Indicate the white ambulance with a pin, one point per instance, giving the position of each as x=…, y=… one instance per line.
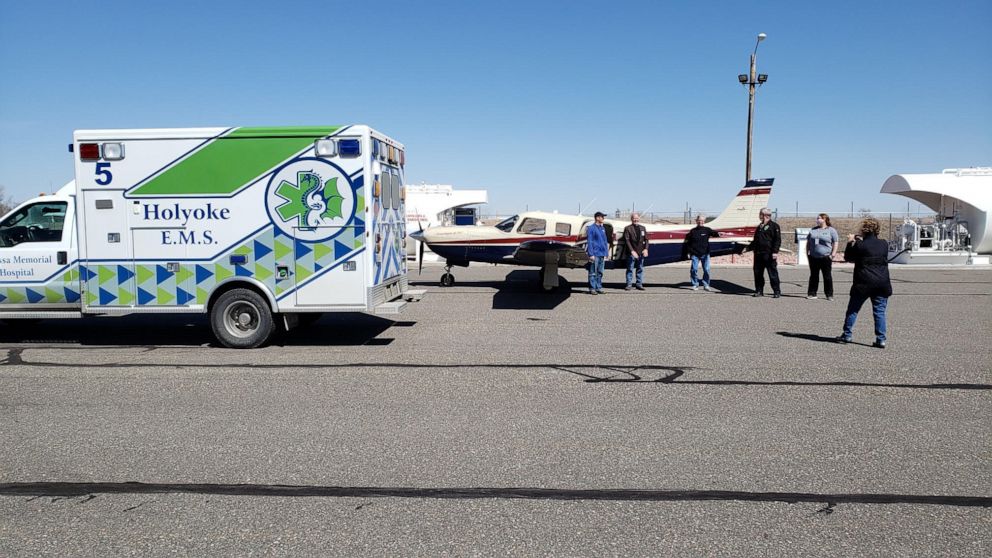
x=258, y=227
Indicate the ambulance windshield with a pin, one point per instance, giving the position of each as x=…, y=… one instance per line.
x=506, y=225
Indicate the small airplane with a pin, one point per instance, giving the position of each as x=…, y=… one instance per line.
x=553, y=240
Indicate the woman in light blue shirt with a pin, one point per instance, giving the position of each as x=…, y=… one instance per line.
x=821, y=247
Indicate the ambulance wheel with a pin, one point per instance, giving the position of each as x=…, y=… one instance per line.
x=241, y=319
x=447, y=280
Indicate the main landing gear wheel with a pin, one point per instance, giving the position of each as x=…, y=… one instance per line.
x=241, y=319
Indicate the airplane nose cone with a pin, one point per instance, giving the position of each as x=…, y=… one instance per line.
x=417, y=235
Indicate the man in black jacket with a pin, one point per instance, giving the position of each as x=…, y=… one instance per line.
x=766, y=244
x=697, y=247
x=871, y=279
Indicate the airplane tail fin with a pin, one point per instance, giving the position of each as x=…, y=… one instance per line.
x=743, y=210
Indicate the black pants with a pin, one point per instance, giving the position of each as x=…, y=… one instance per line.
x=816, y=266
x=761, y=263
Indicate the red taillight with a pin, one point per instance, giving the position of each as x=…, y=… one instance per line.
x=89, y=151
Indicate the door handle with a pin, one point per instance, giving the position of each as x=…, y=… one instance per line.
x=61, y=258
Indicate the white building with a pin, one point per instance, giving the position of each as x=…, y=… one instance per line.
x=436, y=205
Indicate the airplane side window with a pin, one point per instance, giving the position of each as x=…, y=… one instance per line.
x=563, y=229
x=506, y=225
x=531, y=225
x=41, y=222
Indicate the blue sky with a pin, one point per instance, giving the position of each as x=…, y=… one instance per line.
x=547, y=105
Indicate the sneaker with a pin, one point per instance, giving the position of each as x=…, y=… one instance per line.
x=757, y=294
x=593, y=292
x=639, y=287
x=628, y=288
x=707, y=288
x=810, y=297
x=600, y=291
x=695, y=287
x=830, y=298
x=878, y=344
x=841, y=339
x=777, y=295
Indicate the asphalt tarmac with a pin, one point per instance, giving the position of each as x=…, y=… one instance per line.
x=493, y=419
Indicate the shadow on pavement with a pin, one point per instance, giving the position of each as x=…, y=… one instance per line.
x=189, y=329
x=819, y=338
x=522, y=290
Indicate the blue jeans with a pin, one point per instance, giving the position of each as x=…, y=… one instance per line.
x=878, y=305
x=596, y=273
x=706, y=270
x=639, y=265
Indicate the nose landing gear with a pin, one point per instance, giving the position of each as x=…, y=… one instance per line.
x=447, y=279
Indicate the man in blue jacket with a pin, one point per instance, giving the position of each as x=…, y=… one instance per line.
x=597, y=247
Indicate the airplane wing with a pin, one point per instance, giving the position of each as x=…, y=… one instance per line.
x=542, y=252
x=544, y=246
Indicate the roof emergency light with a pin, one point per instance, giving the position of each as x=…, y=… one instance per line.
x=113, y=151
x=349, y=148
x=325, y=148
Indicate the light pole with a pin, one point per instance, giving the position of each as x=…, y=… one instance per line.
x=750, y=80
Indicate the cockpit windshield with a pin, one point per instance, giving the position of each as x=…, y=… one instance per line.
x=506, y=225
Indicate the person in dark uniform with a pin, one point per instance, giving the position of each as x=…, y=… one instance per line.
x=696, y=247
x=871, y=280
x=766, y=244
x=635, y=238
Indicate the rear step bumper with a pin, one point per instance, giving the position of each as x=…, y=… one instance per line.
x=390, y=308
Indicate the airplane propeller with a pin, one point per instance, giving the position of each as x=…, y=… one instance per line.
x=419, y=237
x=420, y=258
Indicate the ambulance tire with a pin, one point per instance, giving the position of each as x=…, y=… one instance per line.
x=242, y=319
x=447, y=280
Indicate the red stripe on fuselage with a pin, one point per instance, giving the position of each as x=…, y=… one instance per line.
x=680, y=233
x=677, y=234
x=754, y=192
x=570, y=239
